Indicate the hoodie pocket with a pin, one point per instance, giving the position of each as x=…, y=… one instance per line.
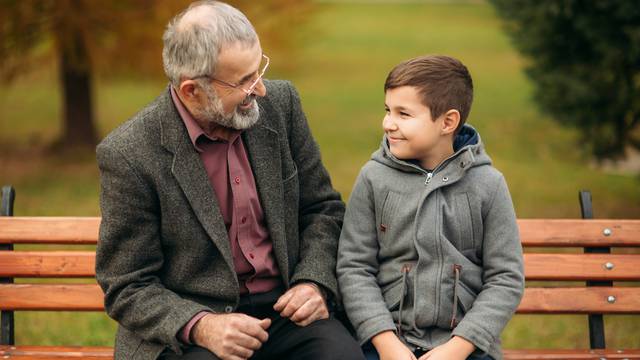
x=394, y=294
x=463, y=297
x=389, y=209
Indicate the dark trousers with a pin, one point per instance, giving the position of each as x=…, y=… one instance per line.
x=322, y=340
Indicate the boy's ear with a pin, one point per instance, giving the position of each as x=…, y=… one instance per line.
x=450, y=121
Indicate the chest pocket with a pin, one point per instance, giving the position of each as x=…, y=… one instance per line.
x=464, y=222
x=395, y=220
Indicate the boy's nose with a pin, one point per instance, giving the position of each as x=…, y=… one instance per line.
x=388, y=124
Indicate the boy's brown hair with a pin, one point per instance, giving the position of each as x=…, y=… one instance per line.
x=444, y=83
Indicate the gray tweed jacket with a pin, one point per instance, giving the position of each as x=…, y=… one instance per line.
x=164, y=253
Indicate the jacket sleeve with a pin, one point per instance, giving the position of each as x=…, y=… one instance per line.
x=358, y=265
x=503, y=274
x=320, y=210
x=129, y=255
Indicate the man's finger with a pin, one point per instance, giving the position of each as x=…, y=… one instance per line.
x=292, y=306
x=242, y=352
x=283, y=300
x=248, y=342
x=319, y=313
x=255, y=331
x=265, y=323
x=303, y=312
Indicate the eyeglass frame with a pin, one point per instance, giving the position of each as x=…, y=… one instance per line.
x=251, y=88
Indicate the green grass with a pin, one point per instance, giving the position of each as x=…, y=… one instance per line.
x=343, y=58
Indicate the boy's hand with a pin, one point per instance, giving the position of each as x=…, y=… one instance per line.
x=456, y=348
x=389, y=347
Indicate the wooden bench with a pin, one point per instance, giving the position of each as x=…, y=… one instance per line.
x=599, y=269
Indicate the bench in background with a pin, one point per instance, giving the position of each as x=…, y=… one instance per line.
x=597, y=267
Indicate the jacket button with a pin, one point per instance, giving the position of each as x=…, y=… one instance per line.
x=228, y=309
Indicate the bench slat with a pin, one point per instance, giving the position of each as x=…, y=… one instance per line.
x=537, y=266
x=570, y=354
x=533, y=232
x=56, y=352
x=67, y=297
x=580, y=267
x=47, y=264
x=52, y=230
x=579, y=233
x=592, y=300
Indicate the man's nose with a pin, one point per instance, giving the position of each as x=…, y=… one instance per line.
x=260, y=89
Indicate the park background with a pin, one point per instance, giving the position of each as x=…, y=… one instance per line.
x=337, y=53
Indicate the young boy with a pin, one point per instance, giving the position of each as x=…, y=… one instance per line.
x=430, y=262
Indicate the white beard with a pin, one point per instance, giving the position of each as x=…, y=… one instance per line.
x=212, y=112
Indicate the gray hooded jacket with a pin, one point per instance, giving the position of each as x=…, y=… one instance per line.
x=431, y=254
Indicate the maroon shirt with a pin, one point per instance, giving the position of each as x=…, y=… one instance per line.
x=231, y=178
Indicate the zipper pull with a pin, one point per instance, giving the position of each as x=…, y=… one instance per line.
x=429, y=176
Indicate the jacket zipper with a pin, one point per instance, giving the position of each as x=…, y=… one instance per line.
x=429, y=176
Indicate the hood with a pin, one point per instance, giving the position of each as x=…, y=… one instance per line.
x=466, y=143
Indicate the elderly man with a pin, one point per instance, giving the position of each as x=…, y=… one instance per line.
x=220, y=224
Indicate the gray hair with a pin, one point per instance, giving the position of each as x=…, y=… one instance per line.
x=193, y=38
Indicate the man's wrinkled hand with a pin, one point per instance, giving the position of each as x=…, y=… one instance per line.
x=302, y=304
x=231, y=336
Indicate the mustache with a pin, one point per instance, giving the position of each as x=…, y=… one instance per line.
x=247, y=100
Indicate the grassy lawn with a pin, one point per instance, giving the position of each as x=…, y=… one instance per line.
x=339, y=68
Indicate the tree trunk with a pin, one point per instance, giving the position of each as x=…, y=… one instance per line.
x=75, y=71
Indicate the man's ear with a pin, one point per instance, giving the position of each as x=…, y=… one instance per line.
x=188, y=90
x=450, y=121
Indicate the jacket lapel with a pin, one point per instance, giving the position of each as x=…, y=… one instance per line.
x=189, y=172
x=264, y=155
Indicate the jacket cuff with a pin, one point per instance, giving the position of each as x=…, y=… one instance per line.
x=182, y=317
x=476, y=335
x=185, y=333
x=373, y=326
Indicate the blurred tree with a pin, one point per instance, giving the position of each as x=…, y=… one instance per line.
x=585, y=63
x=88, y=37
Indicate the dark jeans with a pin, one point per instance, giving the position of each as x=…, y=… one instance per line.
x=324, y=339
x=370, y=353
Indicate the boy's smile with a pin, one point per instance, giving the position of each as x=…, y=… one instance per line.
x=411, y=131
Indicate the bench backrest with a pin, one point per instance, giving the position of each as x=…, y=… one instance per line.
x=539, y=236
x=554, y=254
x=547, y=243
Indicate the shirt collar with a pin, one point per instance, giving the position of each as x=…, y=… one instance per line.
x=194, y=130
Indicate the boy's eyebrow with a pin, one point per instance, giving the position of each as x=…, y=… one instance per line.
x=399, y=108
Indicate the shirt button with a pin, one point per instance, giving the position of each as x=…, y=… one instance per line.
x=228, y=309
x=251, y=256
x=237, y=180
x=244, y=219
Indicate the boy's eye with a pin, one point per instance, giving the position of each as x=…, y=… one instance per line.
x=404, y=114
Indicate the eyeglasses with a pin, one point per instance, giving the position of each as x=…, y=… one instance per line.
x=247, y=90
